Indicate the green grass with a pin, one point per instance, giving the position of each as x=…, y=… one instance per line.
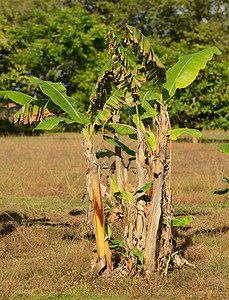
x=46, y=253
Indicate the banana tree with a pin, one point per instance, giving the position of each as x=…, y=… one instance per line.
x=160, y=219
x=150, y=212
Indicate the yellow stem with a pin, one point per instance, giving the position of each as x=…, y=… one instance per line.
x=138, y=119
x=160, y=89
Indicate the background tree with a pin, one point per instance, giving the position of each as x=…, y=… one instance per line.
x=55, y=42
x=64, y=41
x=190, y=23
x=181, y=26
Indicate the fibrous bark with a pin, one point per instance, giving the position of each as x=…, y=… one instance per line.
x=141, y=203
x=118, y=159
x=136, y=229
x=118, y=166
x=159, y=168
x=166, y=246
x=89, y=214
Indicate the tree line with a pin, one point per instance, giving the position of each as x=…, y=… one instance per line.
x=64, y=41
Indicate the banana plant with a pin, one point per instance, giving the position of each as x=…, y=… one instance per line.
x=150, y=216
x=150, y=68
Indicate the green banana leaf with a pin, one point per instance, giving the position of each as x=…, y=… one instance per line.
x=151, y=140
x=153, y=64
x=127, y=196
x=115, y=101
x=51, y=122
x=123, y=129
x=117, y=243
x=102, y=116
x=126, y=79
x=181, y=221
x=138, y=254
x=17, y=97
x=185, y=71
x=104, y=153
x=144, y=188
x=224, y=148
x=177, y=132
x=145, y=111
x=106, y=69
x=117, y=143
x=149, y=111
x=57, y=92
x=114, y=185
x=149, y=96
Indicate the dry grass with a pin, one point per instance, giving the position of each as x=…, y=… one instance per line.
x=45, y=252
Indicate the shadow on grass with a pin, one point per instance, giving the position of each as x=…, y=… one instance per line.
x=9, y=220
x=198, y=213
x=188, y=238
x=76, y=212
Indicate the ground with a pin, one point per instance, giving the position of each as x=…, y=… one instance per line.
x=45, y=247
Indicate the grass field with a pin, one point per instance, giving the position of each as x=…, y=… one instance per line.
x=45, y=252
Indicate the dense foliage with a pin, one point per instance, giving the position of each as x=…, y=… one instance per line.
x=64, y=41
x=61, y=44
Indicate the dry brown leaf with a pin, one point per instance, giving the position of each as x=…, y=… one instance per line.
x=116, y=215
